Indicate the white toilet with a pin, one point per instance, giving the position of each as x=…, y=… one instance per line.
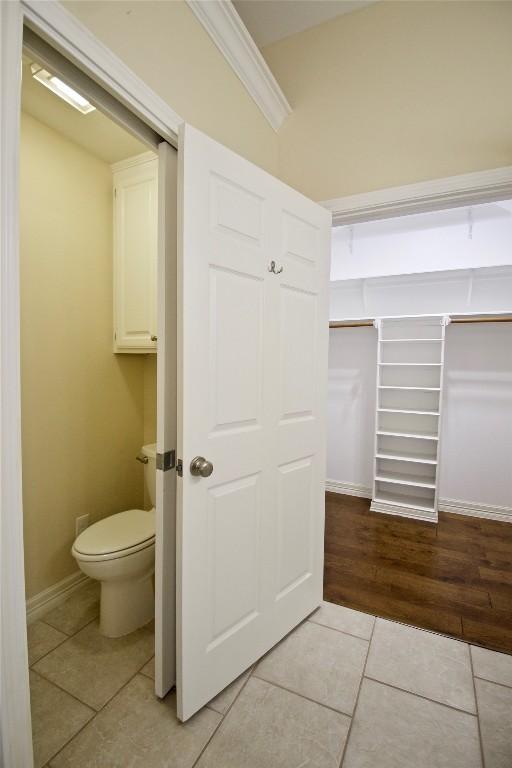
x=119, y=551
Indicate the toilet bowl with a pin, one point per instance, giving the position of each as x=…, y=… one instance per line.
x=119, y=552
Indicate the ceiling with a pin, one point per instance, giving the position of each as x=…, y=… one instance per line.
x=94, y=132
x=272, y=20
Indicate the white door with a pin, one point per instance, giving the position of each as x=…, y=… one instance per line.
x=252, y=362
x=165, y=552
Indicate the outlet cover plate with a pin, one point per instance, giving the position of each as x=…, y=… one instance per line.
x=81, y=523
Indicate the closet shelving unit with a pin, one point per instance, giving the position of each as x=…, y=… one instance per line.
x=410, y=361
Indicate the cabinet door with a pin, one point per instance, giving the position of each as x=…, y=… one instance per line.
x=135, y=244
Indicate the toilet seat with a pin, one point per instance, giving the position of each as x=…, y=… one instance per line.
x=116, y=536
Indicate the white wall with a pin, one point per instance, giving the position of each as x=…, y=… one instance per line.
x=351, y=405
x=476, y=447
x=476, y=442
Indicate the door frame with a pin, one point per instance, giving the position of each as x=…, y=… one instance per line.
x=65, y=33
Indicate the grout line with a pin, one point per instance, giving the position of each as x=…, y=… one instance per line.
x=72, y=695
x=342, y=631
x=68, y=637
x=348, y=608
x=49, y=764
x=96, y=712
x=476, y=706
x=30, y=666
x=420, y=696
x=357, y=697
x=492, y=682
x=222, y=717
x=301, y=695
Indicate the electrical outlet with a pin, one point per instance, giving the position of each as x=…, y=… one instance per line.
x=81, y=523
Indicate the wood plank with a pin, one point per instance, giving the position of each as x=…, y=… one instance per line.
x=454, y=577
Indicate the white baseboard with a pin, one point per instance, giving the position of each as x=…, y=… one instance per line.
x=409, y=512
x=456, y=506
x=349, y=489
x=489, y=511
x=53, y=596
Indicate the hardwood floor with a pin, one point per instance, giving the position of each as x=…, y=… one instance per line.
x=454, y=577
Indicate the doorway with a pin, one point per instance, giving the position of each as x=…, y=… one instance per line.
x=419, y=421
x=88, y=256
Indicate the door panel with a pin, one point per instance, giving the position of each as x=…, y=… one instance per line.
x=295, y=525
x=252, y=391
x=236, y=349
x=235, y=512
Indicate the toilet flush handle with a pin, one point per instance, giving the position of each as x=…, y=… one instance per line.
x=143, y=459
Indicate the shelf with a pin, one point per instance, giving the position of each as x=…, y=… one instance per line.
x=422, y=389
x=403, y=341
x=400, y=478
x=412, y=502
x=402, y=410
x=416, y=435
x=397, y=456
x=424, y=365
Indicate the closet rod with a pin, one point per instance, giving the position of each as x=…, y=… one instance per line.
x=369, y=323
x=482, y=320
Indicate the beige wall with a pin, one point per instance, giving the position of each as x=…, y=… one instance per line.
x=150, y=399
x=82, y=406
x=396, y=93
x=167, y=47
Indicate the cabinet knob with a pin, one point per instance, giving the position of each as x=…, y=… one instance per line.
x=154, y=338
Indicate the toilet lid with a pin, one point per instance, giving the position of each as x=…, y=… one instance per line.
x=117, y=532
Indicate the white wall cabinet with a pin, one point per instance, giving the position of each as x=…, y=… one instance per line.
x=135, y=252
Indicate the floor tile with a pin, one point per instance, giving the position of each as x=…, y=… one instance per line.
x=93, y=667
x=79, y=609
x=495, y=711
x=149, y=669
x=42, y=639
x=344, y=619
x=268, y=727
x=492, y=665
x=320, y=663
x=56, y=718
x=395, y=729
x=222, y=702
x=422, y=662
x=137, y=730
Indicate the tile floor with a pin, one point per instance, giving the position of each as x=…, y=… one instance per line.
x=343, y=689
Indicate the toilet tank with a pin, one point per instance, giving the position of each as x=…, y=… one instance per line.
x=150, y=471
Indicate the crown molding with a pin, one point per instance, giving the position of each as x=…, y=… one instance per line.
x=227, y=30
x=433, y=195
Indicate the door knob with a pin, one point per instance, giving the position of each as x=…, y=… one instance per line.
x=200, y=467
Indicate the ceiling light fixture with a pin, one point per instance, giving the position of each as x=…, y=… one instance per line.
x=61, y=89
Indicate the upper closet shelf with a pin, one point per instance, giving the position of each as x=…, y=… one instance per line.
x=408, y=365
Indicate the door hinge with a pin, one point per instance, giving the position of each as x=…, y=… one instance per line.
x=179, y=468
x=165, y=461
